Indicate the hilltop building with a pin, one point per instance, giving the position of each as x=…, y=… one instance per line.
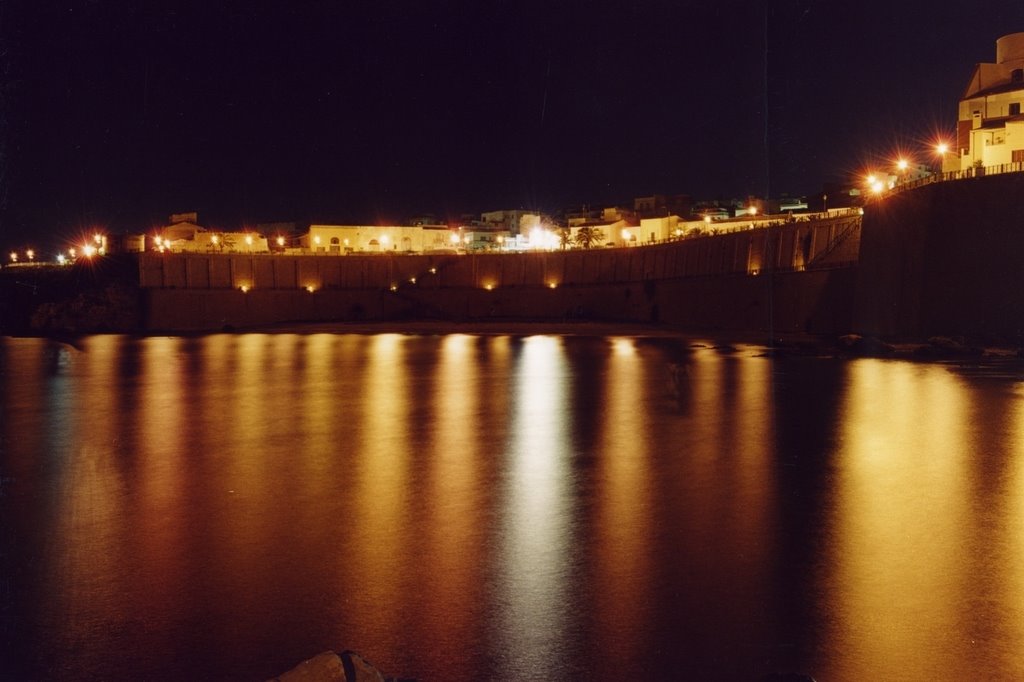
x=990, y=127
x=184, y=234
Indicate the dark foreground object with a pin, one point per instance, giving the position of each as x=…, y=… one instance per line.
x=331, y=667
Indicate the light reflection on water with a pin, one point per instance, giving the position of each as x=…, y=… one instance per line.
x=467, y=507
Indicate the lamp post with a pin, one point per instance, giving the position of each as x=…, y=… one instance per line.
x=941, y=149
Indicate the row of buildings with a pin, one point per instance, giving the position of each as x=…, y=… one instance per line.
x=990, y=135
x=497, y=231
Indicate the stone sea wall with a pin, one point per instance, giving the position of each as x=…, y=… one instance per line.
x=945, y=259
x=794, y=276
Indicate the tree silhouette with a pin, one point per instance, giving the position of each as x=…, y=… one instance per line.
x=588, y=237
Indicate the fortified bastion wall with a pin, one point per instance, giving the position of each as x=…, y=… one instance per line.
x=792, y=276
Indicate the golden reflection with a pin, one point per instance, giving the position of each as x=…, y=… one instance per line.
x=623, y=508
x=381, y=483
x=537, y=506
x=92, y=515
x=453, y=488
x=1010, y=551
x=753, y=466
x=902, y=521
x=323, y=420
x=157, y=516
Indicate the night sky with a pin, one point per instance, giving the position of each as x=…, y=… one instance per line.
x=117, y=114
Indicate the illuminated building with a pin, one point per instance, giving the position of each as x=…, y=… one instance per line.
x=990, y=127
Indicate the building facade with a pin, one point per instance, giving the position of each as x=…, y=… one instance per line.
x=990, y=127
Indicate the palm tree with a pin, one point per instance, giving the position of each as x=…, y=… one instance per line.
x=564, y=238
x=587, y=237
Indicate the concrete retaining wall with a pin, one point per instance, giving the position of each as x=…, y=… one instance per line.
x=815, y=302
x=749, y=280
x=945, y=259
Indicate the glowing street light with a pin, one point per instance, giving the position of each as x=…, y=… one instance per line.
x=877, y=186
x=902, y=164
x=215, y=239
x=14, y=256
x=31, y=254
x=752, y=210
x=61, y=260
x=248, y=239
x=88, y=250
x=455, y=238
x=942, y=148
x=280, y=241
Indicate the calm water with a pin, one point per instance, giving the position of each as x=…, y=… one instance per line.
x=461, y=508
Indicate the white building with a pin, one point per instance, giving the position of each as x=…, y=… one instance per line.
x=990, y=127
x=185, y=236
x=342, y=239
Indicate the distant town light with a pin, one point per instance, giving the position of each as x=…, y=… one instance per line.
x=88, y=250
x=31, y=254
x=552, y=285
x=752, y=210
x=942, y=148
x=316, y=240
x=280, y=241
x=97, y=238
x=877, y=187
x=61, y=259
x=14, y=256
x=384, y=239
x=707, y=219
x=455, y=238
x=902, y=164
x=160, y=240
x=310, y=288
x=871, y=180
x=72, y=253
x=215, y=239
x=244, y=288
x=248, y=239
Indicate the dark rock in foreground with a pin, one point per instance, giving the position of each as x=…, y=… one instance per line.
x=331, y=667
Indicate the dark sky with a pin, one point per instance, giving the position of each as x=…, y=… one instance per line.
x=118, y=113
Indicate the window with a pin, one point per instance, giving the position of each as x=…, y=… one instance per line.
x=1018, y=156
x=1014, y=108
x=1017, y=75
